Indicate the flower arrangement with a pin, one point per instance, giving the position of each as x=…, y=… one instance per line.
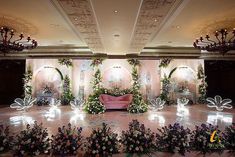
x=93, y=104
x=96, y=62
x=117, y=91
x=164, y=62
x=166, y=82
x=27, y=82
x=67, y=141
x=173, y=138
x=102, y=142
x=67, y=94
x=5, y=138
x=138, y=105
x=65, y=61
x=202, y=85
x=133, y=62
x=138, y=139
x=32, y=141
x=200, y=139
x=229, y=137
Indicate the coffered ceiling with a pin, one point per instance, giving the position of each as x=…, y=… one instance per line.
x=117, y=27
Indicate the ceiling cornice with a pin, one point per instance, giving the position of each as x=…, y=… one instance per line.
x=148, y=53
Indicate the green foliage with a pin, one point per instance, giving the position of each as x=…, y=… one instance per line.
x=96, y=83
x=133, y=62
x=96, y=62
x=202, y=86
x=27, y=82
x=93, y=105
x=166, y=81
x=65, y=61
x=138, y=105
x=164, y=62
x=67, y=94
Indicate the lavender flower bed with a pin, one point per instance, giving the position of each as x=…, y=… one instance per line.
x=34, y=140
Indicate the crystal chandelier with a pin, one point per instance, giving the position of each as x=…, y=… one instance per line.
x=9, y=44
x=224, y=42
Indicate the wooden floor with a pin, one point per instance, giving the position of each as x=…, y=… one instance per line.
x=117, y=120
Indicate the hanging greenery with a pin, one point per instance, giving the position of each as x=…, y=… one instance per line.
x=96, y=62
x=27, y=81
x=202, y=86
x=166, y=81
x=134, y=62
x=65, y=61
x=67, y=94
x=138, y=104
x=164, y=62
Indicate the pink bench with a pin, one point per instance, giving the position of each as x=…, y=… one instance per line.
x=113, y=102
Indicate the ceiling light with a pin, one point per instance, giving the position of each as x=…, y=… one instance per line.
x=178, y=27
x=115, y=11
x=155, y=20
x=9, y=44
x=223, y=42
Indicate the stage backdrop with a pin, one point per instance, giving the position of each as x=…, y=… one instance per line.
x=115, y=73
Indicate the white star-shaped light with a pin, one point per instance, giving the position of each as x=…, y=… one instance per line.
x=157, y=104
x=77, y=104
x=23, y=104
x=219, y=103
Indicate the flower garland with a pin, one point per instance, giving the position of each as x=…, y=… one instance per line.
x=32, y=141
x=173, y=138
x=27, y=81
x=138, y=105
x=67, y=141
x=67, y=94
x=102, y=142
x=200, y=139
x=137, y=139
x=229, y=137
x=65, y=61
x=164, y=62
x=203, y=85
x=5, y=138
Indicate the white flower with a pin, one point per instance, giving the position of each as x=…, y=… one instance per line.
x=103, y=147
x=137, y=148
x=93, y=152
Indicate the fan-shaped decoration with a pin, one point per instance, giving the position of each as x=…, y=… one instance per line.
x=219, y=103
x=77, y=104
x=181, y=102
x=157, y=104
x=23, y=104
x=55, y=103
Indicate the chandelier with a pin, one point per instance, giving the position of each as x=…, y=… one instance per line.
x=10, y=44
x=224, y=42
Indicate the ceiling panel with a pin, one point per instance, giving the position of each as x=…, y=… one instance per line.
x=116, y=20
x=195, y=18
